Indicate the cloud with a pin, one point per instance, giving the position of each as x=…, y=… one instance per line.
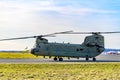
x=20, y=18
x=51, y=5
x=18, y=14
x=17, y=7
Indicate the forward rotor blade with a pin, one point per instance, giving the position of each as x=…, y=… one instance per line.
x=40, y=36
x=17, y=38
x=53, y=34
x=78, y=33
x=63, y=32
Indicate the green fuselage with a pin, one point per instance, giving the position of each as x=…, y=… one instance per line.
x=67, y=50
x=91, y=47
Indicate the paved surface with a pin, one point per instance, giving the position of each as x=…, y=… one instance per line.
x=100, y=58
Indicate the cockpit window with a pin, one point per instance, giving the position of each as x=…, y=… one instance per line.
x=37, y=45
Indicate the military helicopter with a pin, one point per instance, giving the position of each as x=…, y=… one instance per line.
x=92, y=46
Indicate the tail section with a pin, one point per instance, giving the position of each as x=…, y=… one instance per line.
x=95, y=43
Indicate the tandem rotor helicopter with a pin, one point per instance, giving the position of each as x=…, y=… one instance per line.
x=92, y=46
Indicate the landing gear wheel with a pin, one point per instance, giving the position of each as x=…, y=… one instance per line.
x=87, y=58
x=60, y=59
x=94, y=59
x=55, y=59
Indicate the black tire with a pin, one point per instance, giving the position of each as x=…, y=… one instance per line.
x=94, y=59
x=55, y=59
x=60, y=59
x=87, y=58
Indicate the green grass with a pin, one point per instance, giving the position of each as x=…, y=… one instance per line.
x=82, y=71
x=94, y=71
x=17, y=55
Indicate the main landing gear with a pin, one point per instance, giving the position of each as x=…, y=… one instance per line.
x=94, y=59
x=87, y=59
x=60, y=59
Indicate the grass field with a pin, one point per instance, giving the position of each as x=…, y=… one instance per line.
x=94, y=71
x=82, y=71
x=17, y=55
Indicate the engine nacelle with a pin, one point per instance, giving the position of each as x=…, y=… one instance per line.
x=94, y=40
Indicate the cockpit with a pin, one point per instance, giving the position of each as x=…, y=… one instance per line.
x=36, y=48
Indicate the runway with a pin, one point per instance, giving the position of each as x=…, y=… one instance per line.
x=100, y=58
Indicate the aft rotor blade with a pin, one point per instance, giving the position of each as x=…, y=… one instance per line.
x=17, y=38
x=109, y=32
x=93, y=32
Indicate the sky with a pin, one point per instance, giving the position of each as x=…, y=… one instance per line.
x=19, y=18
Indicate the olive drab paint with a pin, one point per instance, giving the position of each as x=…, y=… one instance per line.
x=91, y=47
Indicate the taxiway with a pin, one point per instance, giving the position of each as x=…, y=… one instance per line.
x=100, y=58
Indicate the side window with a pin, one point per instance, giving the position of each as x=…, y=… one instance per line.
x=81, y=49
x=38, y=45
x=77, y=50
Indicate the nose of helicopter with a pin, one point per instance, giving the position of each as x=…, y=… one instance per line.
x=32, y=51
